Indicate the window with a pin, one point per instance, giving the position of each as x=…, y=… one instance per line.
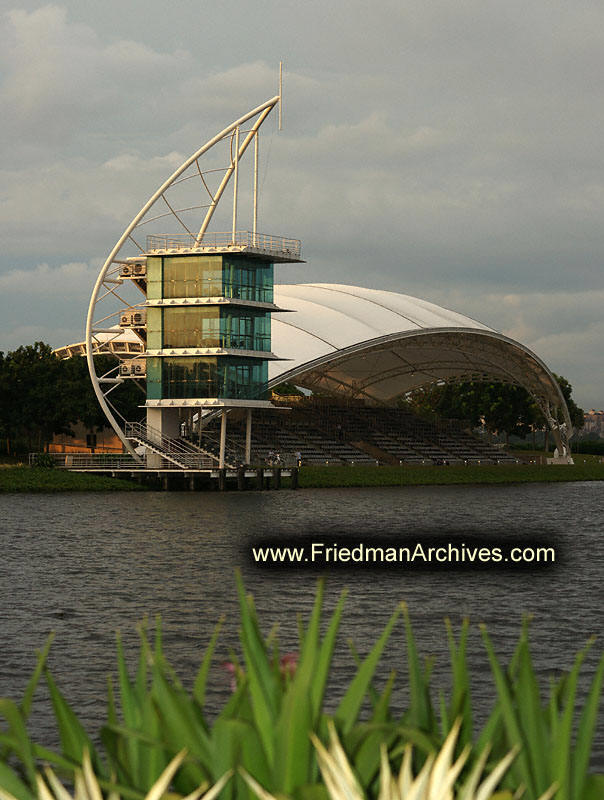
x=192, y=276
x=232, y=327
x=227, y=376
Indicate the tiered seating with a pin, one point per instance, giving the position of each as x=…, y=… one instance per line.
x=324, y=432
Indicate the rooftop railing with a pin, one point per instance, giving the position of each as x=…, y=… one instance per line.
x=279, y=245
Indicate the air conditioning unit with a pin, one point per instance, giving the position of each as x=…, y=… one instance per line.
x=133, y=369
x=133, y=319
x=135, y=268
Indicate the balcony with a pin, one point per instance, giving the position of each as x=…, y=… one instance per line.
x=278, y=248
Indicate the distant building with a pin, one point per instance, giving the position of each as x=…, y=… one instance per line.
x=594, y=422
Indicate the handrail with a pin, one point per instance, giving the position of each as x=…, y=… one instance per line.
x=184, y=451
x=258, y=241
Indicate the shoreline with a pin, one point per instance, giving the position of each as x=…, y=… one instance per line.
x=34, y=480
x=477, y=475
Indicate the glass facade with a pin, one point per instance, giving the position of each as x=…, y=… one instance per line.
x=241, y=328
x=235, y=277
x=154, y=329
x=248, y=279
x=222, y=376
x=229, y=326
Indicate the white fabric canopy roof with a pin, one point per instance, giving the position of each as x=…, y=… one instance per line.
x=379, y=345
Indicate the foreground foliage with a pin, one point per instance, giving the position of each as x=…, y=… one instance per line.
x=435, y=781
x=263, y=734
x=87, y=787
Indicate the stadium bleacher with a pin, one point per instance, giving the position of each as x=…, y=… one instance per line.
x=321, y=432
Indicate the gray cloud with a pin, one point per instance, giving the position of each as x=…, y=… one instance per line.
x=451, y=151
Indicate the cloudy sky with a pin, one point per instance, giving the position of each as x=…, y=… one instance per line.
x=449, y=150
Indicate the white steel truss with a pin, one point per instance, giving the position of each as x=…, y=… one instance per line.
x=113, y=296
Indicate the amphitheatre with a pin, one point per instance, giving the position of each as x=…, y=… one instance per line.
x=196, y=319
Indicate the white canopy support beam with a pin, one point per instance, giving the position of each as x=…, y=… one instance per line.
x=253, y=133
x=261, y=112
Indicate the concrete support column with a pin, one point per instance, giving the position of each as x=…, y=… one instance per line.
x=248, y=437
x=160, y=422
x=223, y=427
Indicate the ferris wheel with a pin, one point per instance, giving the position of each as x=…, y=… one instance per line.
x=184, y=205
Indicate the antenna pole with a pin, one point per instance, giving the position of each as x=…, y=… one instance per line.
x=235, y=182
x=280, y=95
x=256, y=151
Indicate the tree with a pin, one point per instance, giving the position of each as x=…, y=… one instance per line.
x=32, y=407
x=127, y=398
x=577, y=415
x=41, y=395
x=502, y=407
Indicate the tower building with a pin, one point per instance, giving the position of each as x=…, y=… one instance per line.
x=195, y=326
x=208, y=327
x=205, y=320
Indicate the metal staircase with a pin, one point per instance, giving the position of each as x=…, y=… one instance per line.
x=182, y=453
x=234, y=452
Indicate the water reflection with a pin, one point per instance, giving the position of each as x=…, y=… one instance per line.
x=86, y=565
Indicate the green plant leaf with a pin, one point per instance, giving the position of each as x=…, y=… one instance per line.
x=460, y=705
x=262, y=682
x=350, y=705
x=367, y=753
x=530, y=716
x=237, y=743
x=585, y=734
x=561, y=744
x=11, y=782
x=522, y=766
x=35, y=678
x=201, y=679
x=292, y=747
x=74, y=739
x=594, y=788
x=421, y=714
x=22, y=745
x=181, y=726
x=324, y=658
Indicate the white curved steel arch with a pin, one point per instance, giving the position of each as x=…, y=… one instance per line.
x=104, y=281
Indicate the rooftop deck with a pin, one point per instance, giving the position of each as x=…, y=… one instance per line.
x=279, y=248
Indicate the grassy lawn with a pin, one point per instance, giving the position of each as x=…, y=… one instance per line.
x=25, y=479
x=322, y=477
x=16, y=477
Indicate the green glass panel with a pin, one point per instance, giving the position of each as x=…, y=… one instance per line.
x=192, y=327
x=154, y=378
x=192, y=276
x=233, y=327
x=154, y=277
x=245, y=329
x=154, y=329
x=228, y=377
x=248, y=279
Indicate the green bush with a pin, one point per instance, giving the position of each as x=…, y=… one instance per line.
x=43, y=460
x=265, y=726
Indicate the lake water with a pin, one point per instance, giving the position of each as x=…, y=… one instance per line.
x=85, y=565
